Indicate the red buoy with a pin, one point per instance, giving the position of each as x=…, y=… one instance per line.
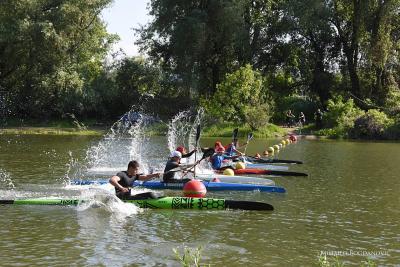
x=194, y=188
x=293, y=138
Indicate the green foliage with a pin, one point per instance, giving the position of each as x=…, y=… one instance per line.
x=257, y=116
x=393, y=131
x=392, y=102
x=191, y=257
x=324, y=261
x=297, y=104
x=225, y=130
x=371, y=125
x=50, y=49
x=238, y=97
x=341, y=114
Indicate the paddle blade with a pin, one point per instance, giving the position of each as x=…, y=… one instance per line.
x=198, y=130
x=208, y=153
x=247, y=205
x=235, y=134
x=249, y=136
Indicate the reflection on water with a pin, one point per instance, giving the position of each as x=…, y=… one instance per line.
x=349, y=201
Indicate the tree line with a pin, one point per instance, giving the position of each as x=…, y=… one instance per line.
x=245, y=61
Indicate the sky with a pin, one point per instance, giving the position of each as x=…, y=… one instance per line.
x=121, y=17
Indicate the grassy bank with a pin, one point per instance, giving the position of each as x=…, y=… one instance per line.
x=51, y=131
x=225, y=130
x=158, y=129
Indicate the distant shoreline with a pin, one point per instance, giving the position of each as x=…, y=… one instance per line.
x=272, y=131
x=51, y=131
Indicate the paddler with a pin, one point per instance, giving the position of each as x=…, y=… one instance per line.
x=124, y=179
x=231, y=149
x=219, y=159
x=172, y=163
x=185, y=155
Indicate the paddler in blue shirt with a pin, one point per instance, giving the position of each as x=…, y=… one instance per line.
x=231, y=149
x=219, y=158
x=123, y=180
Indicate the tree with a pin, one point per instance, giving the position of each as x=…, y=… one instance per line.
x=238, y=96
x=49, y=51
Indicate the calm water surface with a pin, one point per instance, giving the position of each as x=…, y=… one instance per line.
x=349, y=202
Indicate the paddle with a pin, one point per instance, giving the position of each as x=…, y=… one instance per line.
x=249, y=137
x=235, y=134
x=206, y=153
x=197, y=144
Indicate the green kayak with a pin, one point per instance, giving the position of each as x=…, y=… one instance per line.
x=158, y=203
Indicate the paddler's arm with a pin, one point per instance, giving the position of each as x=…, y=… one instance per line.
x=114, y=181
x=187, y=155
x=148, y=176
x=238, y=152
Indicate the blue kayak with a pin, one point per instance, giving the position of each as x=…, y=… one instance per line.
x=211, y=186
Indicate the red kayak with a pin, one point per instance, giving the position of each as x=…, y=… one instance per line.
x=251, y=171
x=267, y=172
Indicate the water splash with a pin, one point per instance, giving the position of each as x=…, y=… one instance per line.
x=100, y=199
x=182, y=129
x=125, y=141
x=75, y=170
x=6, y=181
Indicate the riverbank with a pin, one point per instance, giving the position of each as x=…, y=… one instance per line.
x=51, y=131
x=159, y=129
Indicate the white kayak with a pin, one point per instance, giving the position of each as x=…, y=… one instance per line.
x=266, y=166
x=234, y=179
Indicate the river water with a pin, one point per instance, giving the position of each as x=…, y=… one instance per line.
x=348, y=204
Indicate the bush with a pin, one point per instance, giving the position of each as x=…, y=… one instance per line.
x=371, y=125
x=257, y=116
x=341, y=115
x=393, y=131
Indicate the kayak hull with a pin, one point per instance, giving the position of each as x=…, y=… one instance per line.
x=268, y=172
x=235, y=178
x=266, y=166
x=158, y=203
x=210, y=186
x=271, y=161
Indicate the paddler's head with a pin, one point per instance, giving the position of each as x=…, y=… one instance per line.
x=133, y=167
x=218, y=144
x=220, y=150
x=181, y=149
x=176, y=156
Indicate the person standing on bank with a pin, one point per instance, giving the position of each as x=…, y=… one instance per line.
x=124, y=179
x=290, y=118
x=302, y=119
x=318, y=119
